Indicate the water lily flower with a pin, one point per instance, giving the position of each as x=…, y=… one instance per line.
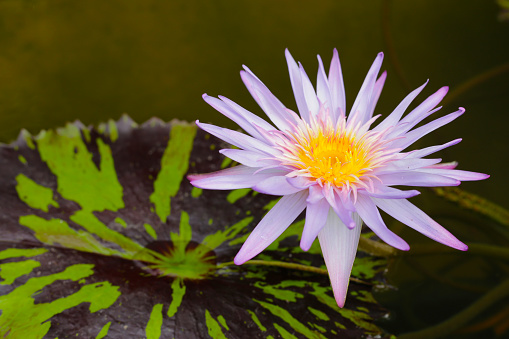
x=338, y=167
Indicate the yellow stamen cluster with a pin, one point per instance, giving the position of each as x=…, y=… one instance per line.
x=333, y=158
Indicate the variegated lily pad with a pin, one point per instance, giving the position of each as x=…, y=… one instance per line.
x=102, y=236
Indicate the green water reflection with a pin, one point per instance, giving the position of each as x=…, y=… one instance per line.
x=95, y=60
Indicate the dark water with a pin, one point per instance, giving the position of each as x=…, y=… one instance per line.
x=95, y=60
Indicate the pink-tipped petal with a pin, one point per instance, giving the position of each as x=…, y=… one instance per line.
x=361, y=103
x=296, y=80
x=316, y=216
x=276, y=185
x=393, y=118
x=275, y=222
x=336, y=86
x=339, y=247
x=371, y=216
x=232, y=178
x=409, y=214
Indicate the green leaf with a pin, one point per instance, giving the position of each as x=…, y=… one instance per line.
x=103, y=236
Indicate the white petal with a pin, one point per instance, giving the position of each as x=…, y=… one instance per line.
x=275, y=222
x=412, y=216
x=339, y=247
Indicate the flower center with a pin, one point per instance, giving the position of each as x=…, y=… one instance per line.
x=333, y=158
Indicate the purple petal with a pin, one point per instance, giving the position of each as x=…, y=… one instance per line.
x=275, y=222
x=393, y=118
x=361, y=103
x=456, y=174
x=309, y=92
x=232, y=178
x=316, y=216
x=322, y=88
x=274, y=109
x=238, y=139
x=276, y=185
x=336, y=86
x=339, y=208
x=414, y=178
x=385, y=192
x=432, y=149
x=248, y=158
x=419, y=132
x=339, y=247
x=298, y=92
x=250, y=117
x=371, y=216
x=406, y=164
x=299, y=182
x=243, y=117
x=377, y=90
x=425, y=108
x=412, y=216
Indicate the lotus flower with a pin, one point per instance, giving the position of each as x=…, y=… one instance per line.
x=338, y=167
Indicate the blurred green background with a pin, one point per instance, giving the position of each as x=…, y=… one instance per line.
x=95, y=60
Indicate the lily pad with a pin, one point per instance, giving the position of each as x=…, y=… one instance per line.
x=102, y=236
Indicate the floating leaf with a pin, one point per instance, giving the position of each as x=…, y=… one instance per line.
x=102, y=236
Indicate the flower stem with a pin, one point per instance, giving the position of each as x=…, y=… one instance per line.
x=377, y=248
x=389, y=44
x=474, y=203
x=475, y=81
x=463, y=317
x=499, y=252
